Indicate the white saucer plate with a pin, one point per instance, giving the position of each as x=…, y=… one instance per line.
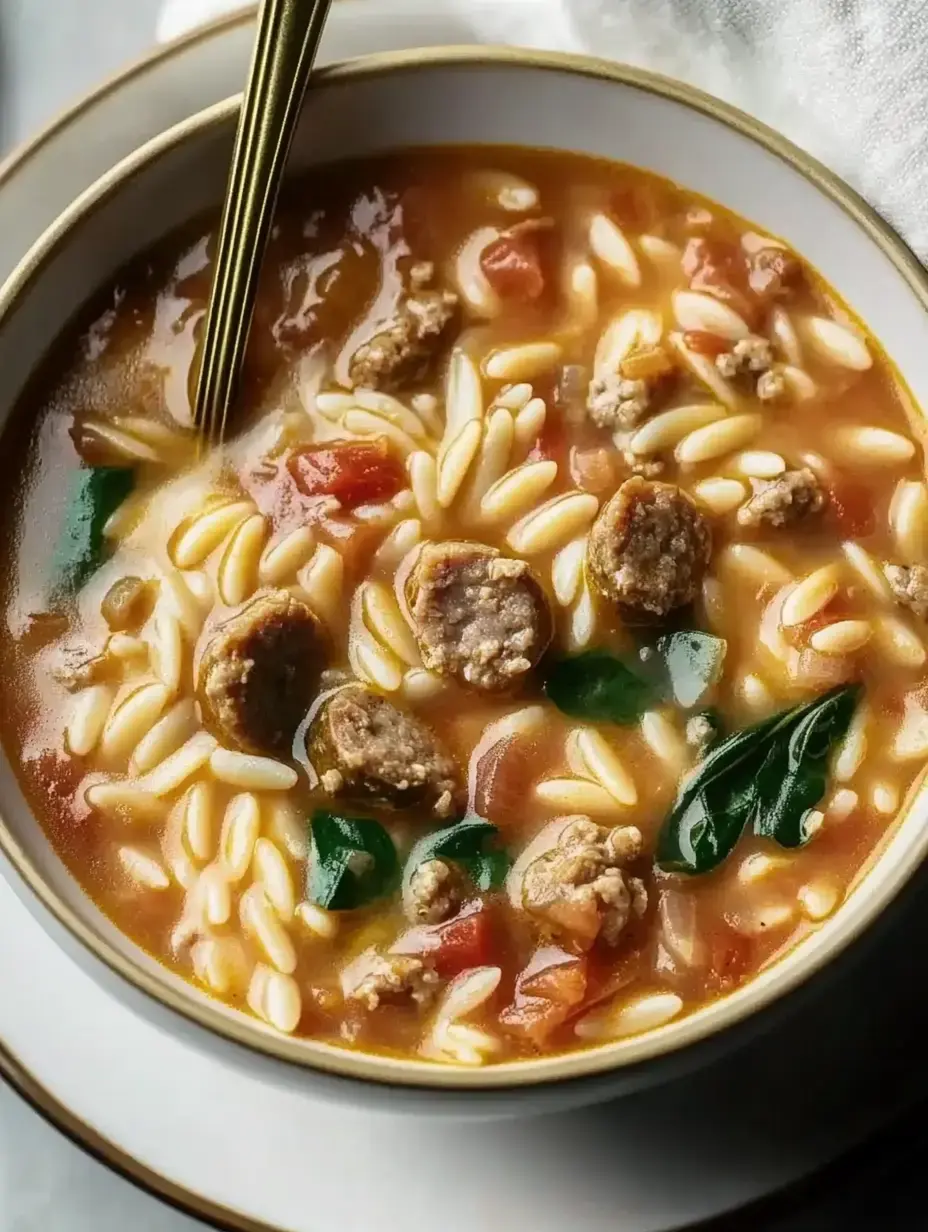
x=260, y=1158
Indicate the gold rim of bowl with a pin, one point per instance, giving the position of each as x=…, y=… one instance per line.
x=874, y=889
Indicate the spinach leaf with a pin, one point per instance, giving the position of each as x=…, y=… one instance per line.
x=679, y=667
x=597, y=685
x=468, y=843
x=715, y=804
x=768, y=775
x=94, y=493
x=352, y=861
x=708, y=826
x=794, y=778
x=691, y=662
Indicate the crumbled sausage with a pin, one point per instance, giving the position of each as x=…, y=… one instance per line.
x=615, y=402
x=363, y=747
x=480, y=617
x=771, y=386
x=434, y=892
x=373, y=978
x=647, y=467
x=403, y=352
x=751, y=361
x=747, y=355
x=649, y=548
x=623, y=399
x=579, y=889
x=788, y=499
x=773, y=273
x=259, y=672
x=909, y=583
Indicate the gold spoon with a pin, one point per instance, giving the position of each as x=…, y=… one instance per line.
x=285, y=47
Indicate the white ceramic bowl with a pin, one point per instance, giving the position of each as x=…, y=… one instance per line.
x=466, y=96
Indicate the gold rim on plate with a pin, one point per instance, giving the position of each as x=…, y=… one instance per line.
x=795, y=968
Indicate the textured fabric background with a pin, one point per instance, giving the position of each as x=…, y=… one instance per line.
x=846, y=79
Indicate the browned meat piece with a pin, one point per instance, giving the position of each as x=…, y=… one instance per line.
x=623, y=399
x=127, y=604
x=615, y=402
x=479, y=616
x=647, y=468
x=909, y=583
x=260, y=671
x=373, y=978
x=790, y=498
x=579, y=889
x=402, y=352
x=649, y=548
x=751, y=361
x=435, y=892
x=365, y=748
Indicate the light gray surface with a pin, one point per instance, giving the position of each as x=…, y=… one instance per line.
x=52, y=51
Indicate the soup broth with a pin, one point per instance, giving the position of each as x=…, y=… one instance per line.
x=541, y=656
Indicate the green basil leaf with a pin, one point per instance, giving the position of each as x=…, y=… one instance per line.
x=692, y=663
x=94, y=493
x=795, y=776
x=352, y=861
x=598, y=686
x=468, y=843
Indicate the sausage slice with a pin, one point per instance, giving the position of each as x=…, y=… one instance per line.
x=649, y=548
x=365, y=748
x=479, y=616
x=259, y=672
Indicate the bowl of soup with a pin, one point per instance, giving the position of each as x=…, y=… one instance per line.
x=530, y=684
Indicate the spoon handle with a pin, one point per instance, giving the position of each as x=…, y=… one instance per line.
x=287, y=38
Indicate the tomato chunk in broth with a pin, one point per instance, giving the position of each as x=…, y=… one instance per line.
x=542, y=655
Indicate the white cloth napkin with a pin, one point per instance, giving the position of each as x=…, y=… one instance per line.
x=845, y=79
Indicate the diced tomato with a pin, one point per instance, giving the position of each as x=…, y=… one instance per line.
x=504, y=776
x=718, y=267
x=353, y=472
x=632, y=208
x=704, y=343
x=513, y=265
x=549, y=988
x=593, y=469
x=457, y=945
x=850, y=508
x=729, y=956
